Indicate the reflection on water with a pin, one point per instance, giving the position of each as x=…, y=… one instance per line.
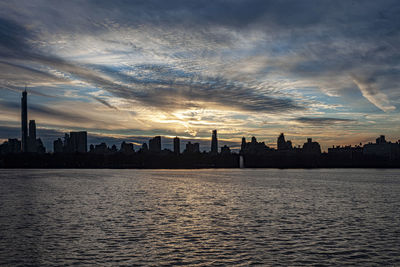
x=199, y=217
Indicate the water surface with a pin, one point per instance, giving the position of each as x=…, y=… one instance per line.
x=200, y=217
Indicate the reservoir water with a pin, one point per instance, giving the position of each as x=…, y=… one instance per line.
x=200, y=217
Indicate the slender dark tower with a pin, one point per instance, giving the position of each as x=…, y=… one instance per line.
x=214, y=142
x=24, y=121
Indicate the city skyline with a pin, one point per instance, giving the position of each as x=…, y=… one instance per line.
x=77, y=142
x=72, y=151
x=128, y=72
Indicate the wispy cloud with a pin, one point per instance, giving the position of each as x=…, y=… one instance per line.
x=321, y=121
x=373, y=94
x=245, y=66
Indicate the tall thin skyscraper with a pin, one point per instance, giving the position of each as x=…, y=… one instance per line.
x=214, y=142
x=24, y=121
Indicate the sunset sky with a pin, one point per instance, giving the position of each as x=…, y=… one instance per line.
x=127, y=70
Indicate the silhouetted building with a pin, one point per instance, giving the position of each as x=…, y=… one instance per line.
x=177, y=146
x=40, y=147
x=67, y=147
x=11, y=146
x=243, y=145
x=75, y=142
x=382, y=149
x=14, y=145
x=78, y=141
x=225, y=150
x=101, y=148
x=24, y=121
x=155, y=144
x=32, y=129
x=311, y=147
x=192, y=148
x=214, y=142
x=381, y=140
x=127, y=148
x=345, y=153
x=114, y=149
x=58, y=146
x=282, y=144
x=29, y=143
x=254, y=147
x=144, y=148
x=32, y=144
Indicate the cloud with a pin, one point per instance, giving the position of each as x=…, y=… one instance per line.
x=161, y=91
x=373, y=94
x=322, y=121
x=12, y=70
x=250, y=59
x=13, y=38
x=46, y=112
x=104, y=102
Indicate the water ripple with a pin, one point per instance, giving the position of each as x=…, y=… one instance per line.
x=200, y=217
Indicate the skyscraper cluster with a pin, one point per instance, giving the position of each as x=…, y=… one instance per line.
x=74, y=142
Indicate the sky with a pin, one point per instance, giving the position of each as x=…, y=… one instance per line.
x=129, y=70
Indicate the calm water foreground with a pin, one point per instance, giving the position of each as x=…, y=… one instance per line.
x=200, y=217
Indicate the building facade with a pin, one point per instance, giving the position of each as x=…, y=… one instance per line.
x=177, y=146
x=155, y=144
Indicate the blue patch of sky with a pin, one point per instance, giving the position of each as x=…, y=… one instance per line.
x=10, y=95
